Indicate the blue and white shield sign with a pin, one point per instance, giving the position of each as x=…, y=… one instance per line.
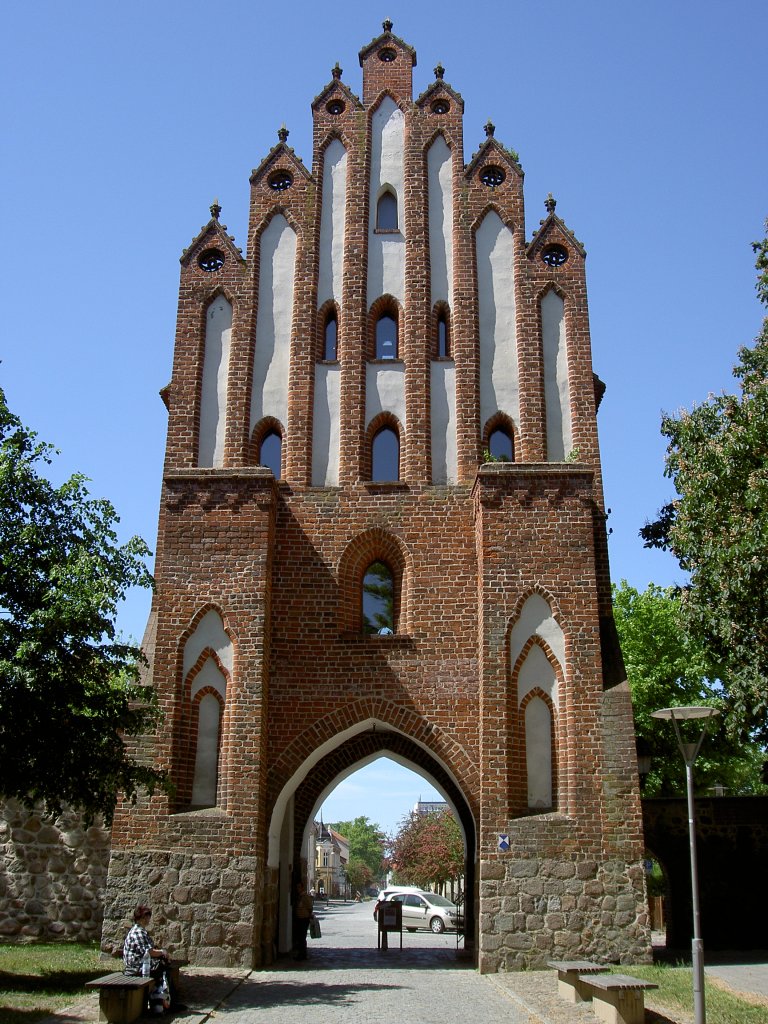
x=504, y=843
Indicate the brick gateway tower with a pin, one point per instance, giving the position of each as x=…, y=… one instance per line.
x=332, y=398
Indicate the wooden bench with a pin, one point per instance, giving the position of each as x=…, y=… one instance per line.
x=121, y=996
x=617, y=998
x=568, y=984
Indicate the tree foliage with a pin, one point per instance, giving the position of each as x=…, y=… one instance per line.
x=359, y=874
x=428, y=850
x=667, y=668
x=69, y=687
x=717, y=527
x=366, y=843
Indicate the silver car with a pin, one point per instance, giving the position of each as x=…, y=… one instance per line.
x=427, y=910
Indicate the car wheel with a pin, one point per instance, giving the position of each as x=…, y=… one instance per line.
x=437, y=925
x=409, y=929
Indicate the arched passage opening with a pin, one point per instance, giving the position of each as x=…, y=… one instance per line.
x=303, y=795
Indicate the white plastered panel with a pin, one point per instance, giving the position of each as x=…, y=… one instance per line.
x=440, y=179
x=325, y=424
x=273, y=322
x=536, y=619
x=537, y=671
x=386, y=252
x=205, y=781
x=538, y=753
x=213, y=393
x=443, y=410
x=332, y=223
x=499, y=379
x=385, y=392
x=210, y=633
x=557, y=392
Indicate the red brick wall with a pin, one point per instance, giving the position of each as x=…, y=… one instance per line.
x=281, y=563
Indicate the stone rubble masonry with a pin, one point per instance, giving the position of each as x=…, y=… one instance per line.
x=53, y=874
x=202, y=904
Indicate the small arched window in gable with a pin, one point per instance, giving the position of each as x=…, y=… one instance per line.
x=330, y=337
x=501, y=445
x=386, y=212
x=385, y=456
x=271, y=453
x=378, y=599
x=386, y=337
x=443, y=347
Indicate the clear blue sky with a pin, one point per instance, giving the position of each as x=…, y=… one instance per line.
x=121, y=122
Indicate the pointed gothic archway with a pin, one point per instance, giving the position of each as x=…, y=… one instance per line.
x=304, y=793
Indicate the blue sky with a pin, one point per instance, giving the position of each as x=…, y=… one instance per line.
x=122, y=122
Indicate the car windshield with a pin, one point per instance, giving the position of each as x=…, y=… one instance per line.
x=436, y=901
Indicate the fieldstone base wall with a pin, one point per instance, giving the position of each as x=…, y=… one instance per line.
x=53, y=874
x=535, y=910
x=203, y=906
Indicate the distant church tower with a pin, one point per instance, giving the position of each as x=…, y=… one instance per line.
x=382, y=532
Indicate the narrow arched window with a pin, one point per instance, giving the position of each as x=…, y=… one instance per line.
x=386, y=212
x=443, y=350
x=271, y=453
x=385, y=456
x=500, y=446
x=386, y=338
x=330, y=338
x=378, y=599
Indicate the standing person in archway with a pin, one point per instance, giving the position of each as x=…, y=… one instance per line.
x=303, y=907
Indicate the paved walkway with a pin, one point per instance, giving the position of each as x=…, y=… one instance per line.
x=429, y=981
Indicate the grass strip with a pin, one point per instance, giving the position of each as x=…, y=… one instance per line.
x=39, y=979
x=674, y=998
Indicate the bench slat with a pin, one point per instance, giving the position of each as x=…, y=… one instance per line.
x=614, y=982
x=576, y=966
x=119, y=980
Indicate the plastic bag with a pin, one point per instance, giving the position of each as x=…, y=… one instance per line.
x=162, y=994
x=314, y=928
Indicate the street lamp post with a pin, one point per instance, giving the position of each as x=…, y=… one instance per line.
x=690, y=752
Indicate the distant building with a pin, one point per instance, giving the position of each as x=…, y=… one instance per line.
x=331, y=860
x=423, y=807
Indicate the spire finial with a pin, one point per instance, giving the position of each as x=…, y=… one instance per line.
x=336, y=71
x=387, y=24
x=550, y=202
x=439, y=71
x=215, y=209
x=283, y=133
x=490, y=128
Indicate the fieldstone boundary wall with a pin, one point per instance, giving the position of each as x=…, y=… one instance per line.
x=53, y=875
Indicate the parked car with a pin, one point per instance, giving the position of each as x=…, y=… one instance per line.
x=428, y=910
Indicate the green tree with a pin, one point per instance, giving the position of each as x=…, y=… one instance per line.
x=717, y=527
x=69, y=688
x=666, y=668
x=366, y=843
x=428, y=850
x=359, y=874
